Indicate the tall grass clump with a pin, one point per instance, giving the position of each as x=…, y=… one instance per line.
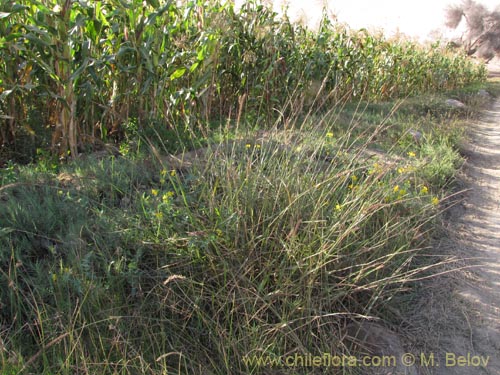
x=262, y=248
x=74, y=74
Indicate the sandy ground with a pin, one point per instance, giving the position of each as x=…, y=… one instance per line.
x=480, y=229
x=459, y=314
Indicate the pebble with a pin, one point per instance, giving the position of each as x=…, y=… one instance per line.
x=455, y=103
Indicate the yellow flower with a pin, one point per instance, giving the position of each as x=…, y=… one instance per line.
x=159, y=215
x=166, y=197
x=401, y=170
x=257, y=146
x=396, y=188
x=248, y=145
x=154, y=192
x=338, y=207
x=162, y=181
x=376, y=168
x=424, y=190
x=173, y=172
x=435, y=201
x=354, y=178
x=329, y=135
x=411, y=154
x=402, y=192
x=163, y=172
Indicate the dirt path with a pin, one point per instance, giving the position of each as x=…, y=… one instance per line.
x=461, y=312
x=480, y=226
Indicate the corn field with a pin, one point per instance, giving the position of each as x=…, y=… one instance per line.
x=76, y=72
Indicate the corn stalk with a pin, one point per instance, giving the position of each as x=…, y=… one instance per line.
x=65, y=136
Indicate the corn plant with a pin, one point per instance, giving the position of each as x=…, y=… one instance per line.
x=89, y=68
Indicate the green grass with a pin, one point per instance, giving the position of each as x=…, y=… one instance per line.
x=268, y=245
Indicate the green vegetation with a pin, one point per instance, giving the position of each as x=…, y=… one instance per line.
x=268, y=244
x=75, y=73
x=306, y=204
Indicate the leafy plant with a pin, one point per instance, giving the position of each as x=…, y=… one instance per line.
x=88, y=68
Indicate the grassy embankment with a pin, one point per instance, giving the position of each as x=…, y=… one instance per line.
x=309, y=208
